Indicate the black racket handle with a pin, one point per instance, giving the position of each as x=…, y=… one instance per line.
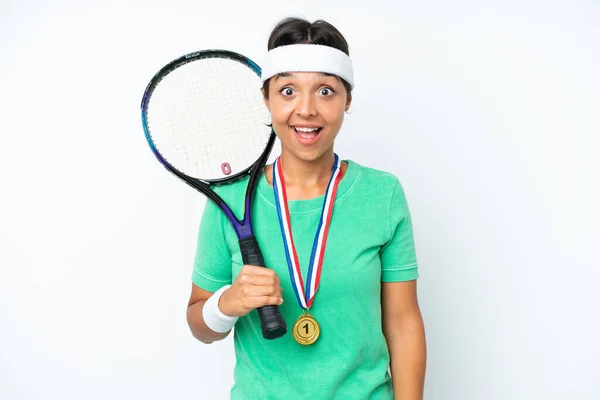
x=271, y=321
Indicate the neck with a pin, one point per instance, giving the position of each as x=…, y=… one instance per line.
x=305, y=179
x=306, y=174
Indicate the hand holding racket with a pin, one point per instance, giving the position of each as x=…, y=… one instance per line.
x=252, y=288
x=206, y=122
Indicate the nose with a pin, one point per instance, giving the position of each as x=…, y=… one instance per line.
x=306, y=106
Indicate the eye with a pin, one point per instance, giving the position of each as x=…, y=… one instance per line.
x=286, y=91
x=326, y=91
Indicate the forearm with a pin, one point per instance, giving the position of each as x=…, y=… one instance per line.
x=254, y=287
x=408, y=356
x=198, y=327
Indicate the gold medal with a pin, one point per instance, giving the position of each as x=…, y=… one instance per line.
x=306, y=329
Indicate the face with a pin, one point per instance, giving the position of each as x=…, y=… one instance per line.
x=307, y=111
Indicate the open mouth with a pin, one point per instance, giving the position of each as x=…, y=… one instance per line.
x=307, y=132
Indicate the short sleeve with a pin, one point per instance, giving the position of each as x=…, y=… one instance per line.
x=398, y=255
x=212, y=262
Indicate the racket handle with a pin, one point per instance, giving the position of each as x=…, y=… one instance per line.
x=271, y=321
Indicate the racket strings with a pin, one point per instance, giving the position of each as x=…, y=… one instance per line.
x=208, y=113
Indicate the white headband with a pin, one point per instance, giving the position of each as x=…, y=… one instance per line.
x=308, y=58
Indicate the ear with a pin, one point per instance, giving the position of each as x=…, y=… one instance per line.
x=348, y=102
x=266, y=100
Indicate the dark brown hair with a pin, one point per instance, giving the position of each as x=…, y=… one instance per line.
x=300, y=31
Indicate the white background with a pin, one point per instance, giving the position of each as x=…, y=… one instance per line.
x=487, y=111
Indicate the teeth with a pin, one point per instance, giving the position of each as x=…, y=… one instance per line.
x=306, y=129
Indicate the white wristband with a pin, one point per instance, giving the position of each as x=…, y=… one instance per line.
x=213, y=317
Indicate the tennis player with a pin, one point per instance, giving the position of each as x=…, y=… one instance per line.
x=336, y=237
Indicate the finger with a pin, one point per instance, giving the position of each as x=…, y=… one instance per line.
x=261, y=291
x=260, y=280
x=256, y=302
x=256, y=270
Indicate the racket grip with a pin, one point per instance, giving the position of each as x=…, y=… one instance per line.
x=271, y=322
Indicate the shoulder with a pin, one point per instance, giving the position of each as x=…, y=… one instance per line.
x=233, y=194
x=231, y=191
x=375, y=180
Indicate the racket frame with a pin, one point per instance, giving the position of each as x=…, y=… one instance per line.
x=243, y=227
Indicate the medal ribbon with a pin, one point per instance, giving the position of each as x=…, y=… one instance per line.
x=305, y=297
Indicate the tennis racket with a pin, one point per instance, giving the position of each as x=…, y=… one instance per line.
x=205, y=121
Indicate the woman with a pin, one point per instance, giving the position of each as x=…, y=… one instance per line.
x=346, y=268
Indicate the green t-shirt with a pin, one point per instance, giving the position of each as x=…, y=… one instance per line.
x=370, y=241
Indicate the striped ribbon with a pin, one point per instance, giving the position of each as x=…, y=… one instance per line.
x=305, y=297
